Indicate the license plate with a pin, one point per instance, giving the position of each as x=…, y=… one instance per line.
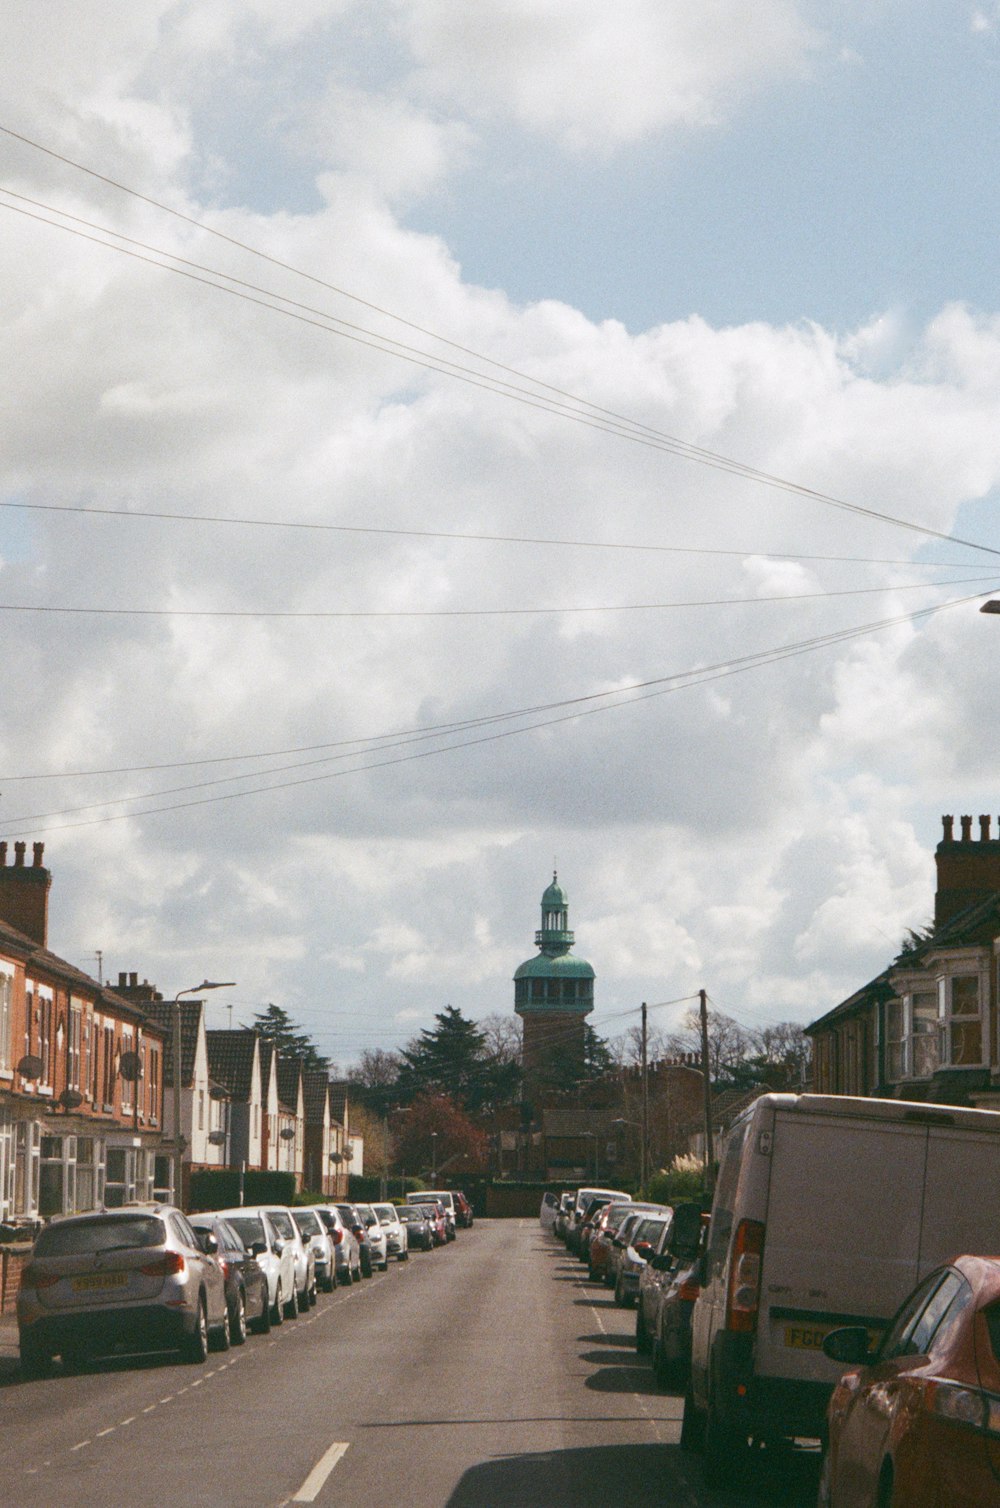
x=807, y=1337
x=99, y=1280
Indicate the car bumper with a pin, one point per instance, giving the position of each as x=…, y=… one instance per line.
x=145, y=1327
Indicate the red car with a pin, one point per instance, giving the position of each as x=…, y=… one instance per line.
x=917, y=1424
x=463, y=1210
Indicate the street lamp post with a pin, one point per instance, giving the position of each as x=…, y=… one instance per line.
x=175, y=1011
x=434, y=1159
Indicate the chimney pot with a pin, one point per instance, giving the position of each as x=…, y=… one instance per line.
x=966, y=829
x=19, y=850
x=984, y=828
x=3, y=855
x=122, y=977
x=38, y=850
x=948, y=823
x=133, y=980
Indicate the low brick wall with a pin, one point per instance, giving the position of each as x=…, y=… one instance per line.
x=13, y=1259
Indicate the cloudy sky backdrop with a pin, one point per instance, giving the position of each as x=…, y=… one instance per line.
x=418, y=404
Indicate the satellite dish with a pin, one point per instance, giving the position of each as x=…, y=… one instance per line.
x=336, y=1157
x=71, y=1098
x=30, y=1067
x=217, y=1138
x=349, y=1149
x=218, y=1092
x=130, y=1066
x=287, y=1133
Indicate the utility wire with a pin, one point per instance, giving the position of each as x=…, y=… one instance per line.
x=48, y=608
x=467, y=538
x=673, y=683
x=577, y=410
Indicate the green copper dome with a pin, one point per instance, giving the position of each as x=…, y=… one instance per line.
x=554, y=980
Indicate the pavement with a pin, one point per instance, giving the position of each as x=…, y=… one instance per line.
x=9, y=1363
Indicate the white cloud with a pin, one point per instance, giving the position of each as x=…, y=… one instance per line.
x=594, y=77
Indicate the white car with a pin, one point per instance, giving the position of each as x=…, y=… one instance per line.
x=376, y=1237
x=397, y=1240
x=274, y=1255
x=443, y=1197
x=315, y=1234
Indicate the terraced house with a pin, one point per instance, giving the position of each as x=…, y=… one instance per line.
x=926, y=1027
x=81, y=1070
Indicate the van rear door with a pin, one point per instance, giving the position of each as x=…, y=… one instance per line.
x=960, y=1209
x=842, y=1234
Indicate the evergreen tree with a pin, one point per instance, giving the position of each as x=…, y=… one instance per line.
x=453, y=1059
x=275, y=1025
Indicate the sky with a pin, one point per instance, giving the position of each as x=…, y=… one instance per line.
x=441, y=446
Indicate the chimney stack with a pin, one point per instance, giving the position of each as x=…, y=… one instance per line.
x=968, y=870
x=24, y=893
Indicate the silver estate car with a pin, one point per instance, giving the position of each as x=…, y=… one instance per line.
x=134, y=1277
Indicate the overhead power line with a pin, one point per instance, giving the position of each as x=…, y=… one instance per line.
x=61, y=608
x=534, y=541
x=577, y=708
x=538, y=393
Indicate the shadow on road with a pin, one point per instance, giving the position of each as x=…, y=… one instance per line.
x=644, y=1476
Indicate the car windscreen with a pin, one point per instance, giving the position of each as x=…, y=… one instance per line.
x=249, y=1228
x=413, y=1216
x=308, y=1223
x=385, y=1213
x=647, y=1230
x=100, y=1235
x=282, y=1223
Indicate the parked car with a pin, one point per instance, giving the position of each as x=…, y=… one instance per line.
x=438, y=1223
x=606, y=1228
x=315, y=1234
x=134, y=1276
x=396, y=1242
x=445, y=1199
x=419, y=1230
x=916, y=1420
x=463, y=1209
x=581, y=1203
x=346, y=1247
x=563, y=1214
x=595, y=1212
x=351, y=1216
x=246, y=1285
x=275, y=1255
x=825, y=1206
x=635, y=1242
x=670, y=1336
x=376, y=1237
x=549, y=1210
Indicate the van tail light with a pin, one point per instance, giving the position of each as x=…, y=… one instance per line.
x=744, y=1277
x=170, y=1265
x=688, y=1292
x=32, y=1278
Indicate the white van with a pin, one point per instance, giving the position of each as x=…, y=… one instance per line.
x=827, y=1211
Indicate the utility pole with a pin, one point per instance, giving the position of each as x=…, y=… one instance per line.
x=707, y=1091
x=644, y=1129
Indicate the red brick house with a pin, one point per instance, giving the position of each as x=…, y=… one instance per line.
x=926, y=1027
x=81, y=1071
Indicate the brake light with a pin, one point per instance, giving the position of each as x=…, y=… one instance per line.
x=32, y=1278
x=171, y=1264
x=744, y=1277
x=337, y=1234
x=689, y=1292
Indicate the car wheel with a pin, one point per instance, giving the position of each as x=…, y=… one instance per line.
x=238, y=1320
x=195, y=1347
x=620, y=1292
x=641, y=1333
x=218, y=1339
x=725, y=1450
x=262, y=1324
x=404, y=1256
x=366, y=1267
x=292, y=1306
x=665, y=1368
x=36, y=1360
x=330, y=1282
x=278, y=1307
x=886, y=1487
x=692, y=1424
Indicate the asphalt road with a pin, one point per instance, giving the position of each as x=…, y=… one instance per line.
x=487, y=1373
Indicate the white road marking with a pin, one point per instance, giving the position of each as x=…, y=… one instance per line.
x=310, y=1489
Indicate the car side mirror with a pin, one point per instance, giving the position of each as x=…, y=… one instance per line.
x=209, y=1243
x=848, y=1345
x=258, y=1248
x=279, y=1247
